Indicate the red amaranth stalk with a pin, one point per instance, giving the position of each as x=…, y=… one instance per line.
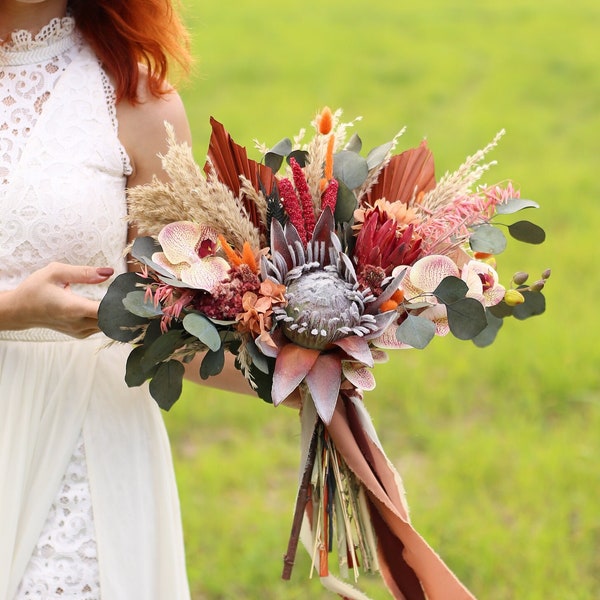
x=329, y=197
x=292, y=206
x=305, y=197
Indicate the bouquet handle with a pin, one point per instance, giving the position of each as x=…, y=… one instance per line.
x=410, y=568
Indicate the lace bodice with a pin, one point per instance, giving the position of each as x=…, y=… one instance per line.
x=62, y=168
x=30, y=66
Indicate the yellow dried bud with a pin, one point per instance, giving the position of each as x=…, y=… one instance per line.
x=513, y=297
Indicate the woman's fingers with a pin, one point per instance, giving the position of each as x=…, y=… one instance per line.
x=66, y=274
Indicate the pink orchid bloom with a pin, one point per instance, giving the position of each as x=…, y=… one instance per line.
x=422, y=279
x=483, y=284
x=426, y=274
x=189, y=255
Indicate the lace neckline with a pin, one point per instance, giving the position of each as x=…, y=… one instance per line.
x=24, y=48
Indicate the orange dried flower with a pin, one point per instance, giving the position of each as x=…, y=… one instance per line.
x=258, y=308
x=236, y=259
x=325, y=121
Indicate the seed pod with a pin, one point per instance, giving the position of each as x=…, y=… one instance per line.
x=520, y=277
x=538, y=286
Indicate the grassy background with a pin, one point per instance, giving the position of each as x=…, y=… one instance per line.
x=498, y=447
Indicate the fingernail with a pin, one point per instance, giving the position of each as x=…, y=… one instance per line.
x=105, y=271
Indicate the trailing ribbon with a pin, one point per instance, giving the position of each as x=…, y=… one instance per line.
x=410, y=568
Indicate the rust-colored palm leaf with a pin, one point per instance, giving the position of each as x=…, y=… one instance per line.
x=407, y=174
x=230, y=160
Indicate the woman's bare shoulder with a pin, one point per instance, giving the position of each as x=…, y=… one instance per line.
x=142, y=129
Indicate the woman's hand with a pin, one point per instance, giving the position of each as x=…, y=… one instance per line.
x=45, y=299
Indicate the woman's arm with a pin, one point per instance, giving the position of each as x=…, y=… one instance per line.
x=44, y=299
x=142, y=133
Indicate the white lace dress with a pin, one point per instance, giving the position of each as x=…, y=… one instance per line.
x=88, y=503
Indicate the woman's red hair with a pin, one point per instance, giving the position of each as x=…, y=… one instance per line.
x=127, y=33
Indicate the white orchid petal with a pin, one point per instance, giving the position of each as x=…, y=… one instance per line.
x=388, y=340
x=439, y=316
x=179, y=241
x=428, y=272
x=494, y=295
x=359, y=376
x=471, y=275
x=161, y=260
x=206, y=274
x=379, y=356
x=410, y=290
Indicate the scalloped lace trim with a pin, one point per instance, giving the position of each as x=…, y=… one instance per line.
x=23, y=40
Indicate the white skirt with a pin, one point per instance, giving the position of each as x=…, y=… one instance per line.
x=55, y=392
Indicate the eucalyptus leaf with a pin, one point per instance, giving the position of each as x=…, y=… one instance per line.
x=488, y=335
x=212, y=363
x=300, y=156
x=170, y=280
x=135, y=375
x=162, y=348
x=167, y=383
x=159, y=269
x=142, y=250
x=199, y=326
x=113, y=318
x=259, y=360
x=535, y=304
x=528, y=232
x=136, y=303
x=416, y=331
x=346, y=204
x=501, y=310
x=513, y=205
x=152, y=333
x=273, y=161
x=144, y=247
x=226, y=322
x=377, y=155
x=412, y=306
x=466, y=318
x=487, y=238
x=354, y=144
x=274, y=157
x=451, y=289
x=351, y=168
x=263, y=382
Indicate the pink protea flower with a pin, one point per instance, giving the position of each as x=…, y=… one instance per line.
x=328, y=321
x=189, y=255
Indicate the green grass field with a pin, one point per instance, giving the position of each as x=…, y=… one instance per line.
x=498, y=447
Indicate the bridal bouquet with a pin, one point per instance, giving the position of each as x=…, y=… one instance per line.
x=309, y=266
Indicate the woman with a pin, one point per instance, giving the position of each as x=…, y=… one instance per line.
x=88, y=503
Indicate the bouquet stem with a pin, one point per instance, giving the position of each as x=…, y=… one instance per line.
x=301, y=502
